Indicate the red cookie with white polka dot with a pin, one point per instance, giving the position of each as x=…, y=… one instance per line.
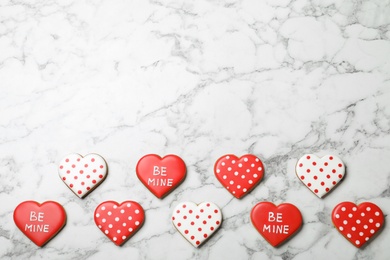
x=358, y=223
x=82, y=174
x=119, y=221
x=197, y=222
x=320, y=175
x=239, y=175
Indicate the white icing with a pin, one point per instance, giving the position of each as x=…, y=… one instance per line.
x=202, y=227
x=82, y=174
x=320, y=175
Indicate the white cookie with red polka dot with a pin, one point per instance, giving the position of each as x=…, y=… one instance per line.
x=320, y=175
x=197, y=222
x=82, y=174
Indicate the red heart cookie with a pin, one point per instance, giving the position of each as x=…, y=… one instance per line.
x=40, y=222
x=320, y=175
x=239, y=175
x=359, y=223
x=119, y=221
x=82, y=174
x=161, y=175
x=276, y=223
x=197, y=222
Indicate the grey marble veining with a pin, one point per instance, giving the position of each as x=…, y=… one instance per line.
x=200, y=79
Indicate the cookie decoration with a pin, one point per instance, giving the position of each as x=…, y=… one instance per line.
x=358, y=223
x=161, y=175
x=196, y=222
x=119, y=221
x=239, y=175
x=320, y=175
x=276, y=223
x=82, y=174
x=40, y=222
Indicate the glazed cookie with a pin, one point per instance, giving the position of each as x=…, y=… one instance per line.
x=40, y=222
x=358, y=223
x=239, y=175
x=320, y=175
x=82, y=174
x=196, y=222
x=161, y=175
x=276, y=223
x=119, y=221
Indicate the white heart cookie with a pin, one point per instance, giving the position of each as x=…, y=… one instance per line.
x=197, y=222
x=82, y=174
x=320, y=175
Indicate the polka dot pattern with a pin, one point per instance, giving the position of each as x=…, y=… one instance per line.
x=197, y=222
x=82, y=174
x=357, y=223
x=239, y=175
x=320, y=175
x=119, y=222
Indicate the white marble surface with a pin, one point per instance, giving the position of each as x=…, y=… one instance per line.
x=276, y=78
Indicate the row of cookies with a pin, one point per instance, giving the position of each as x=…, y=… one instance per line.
x=162, y=175
x=119, y=222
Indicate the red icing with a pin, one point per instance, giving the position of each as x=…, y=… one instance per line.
x=276, y=223
x=357, y=223
x=239, y=175
x=119, y=221
x=161, y=175
x=40, y=222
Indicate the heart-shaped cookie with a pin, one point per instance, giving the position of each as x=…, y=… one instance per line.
x=196, y=222
x=82, y=174
x=161, y=175
x=276, y=223
x=320, y=175
x=358, y=223
x=239, y=175
x=119, y=221
x=40, y=222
